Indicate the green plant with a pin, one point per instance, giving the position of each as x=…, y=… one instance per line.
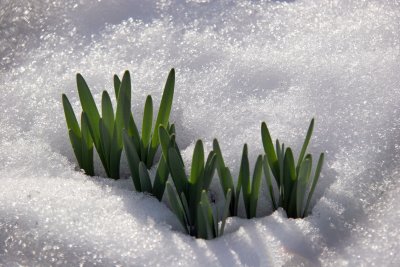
x=80, y=138
x=139, y=172
x=189, y=200
x=251, y=187
x=105, y=131
x=292, y=179
x=147, y=143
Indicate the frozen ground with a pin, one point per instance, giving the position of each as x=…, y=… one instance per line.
x=282, y=62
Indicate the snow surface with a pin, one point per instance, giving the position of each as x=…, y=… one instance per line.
x=238, y=63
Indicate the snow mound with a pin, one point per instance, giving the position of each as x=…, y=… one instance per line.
x=238, y=64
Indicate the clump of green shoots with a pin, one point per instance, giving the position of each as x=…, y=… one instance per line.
x=105, y=132
x=251, y=187
x=80, y=138
x=292, y=179
x=189, y=199
x=140, y=149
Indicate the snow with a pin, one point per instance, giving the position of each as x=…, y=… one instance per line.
x=237, y=64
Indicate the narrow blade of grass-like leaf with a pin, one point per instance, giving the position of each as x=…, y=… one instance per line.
x=72, y=122
x=280, y=157
x=86, y=131
x=186, y=209
x=133, y=160
x=115, y=159
x=224, y=174
x=115, y=154
x=244, y=178
x=117, y=85
x=302, y=182
x=160, y=179
x=305, y=144
x=269, y=149
x=177, y=170
x=123, y=112
x=134, y=133
x=220, y=159
x=107, y=112
x=145, y=182
x=165, y=108
x=207, y=212
x=201, y=222
x=314, y=183
x=147, y=121
x=289, y=176
x=268, y=178
x=87, y=146
x=89, y=107
x=105, y=144
x=76, y=146
x=227, y=176
x=164, y=140
x=292, y=197
x=209, y=169
x=255, y=190
x=176, y=206
x=225, y=213
x=197, y=163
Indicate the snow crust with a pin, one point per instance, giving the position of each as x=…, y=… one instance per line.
x=238, y=64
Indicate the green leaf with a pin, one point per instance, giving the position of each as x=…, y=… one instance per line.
x=87, y=146
x=220, y=159
x=77, y=147
x=177, y=170
x=89, y=107
x=107, y=113
x=85, y=133
x=225, y=213
x=281, y=177
x=314, y=183
x=123, y=113
x=268, y=178
x=209, y=169
x=165, y=108
x=133, y=160
x=208, y=215
x=200, y=229
x=164, y=140
x=147, y=121
x=244, y=179
x=186, y=210
x=280, y=155
x=134, y=133
x=289, y=176
x=305, y=144
x=269, y=149
x=197, y=170
x=234, y=204
x=105, y=142
x=144, y=178
x=224, y=174
x=176, y=206
x=160, y=179
x=302, y=182
x=292, y=206
x=72, y=123
x=255, y=186
x=117, y=85
x=115, y=155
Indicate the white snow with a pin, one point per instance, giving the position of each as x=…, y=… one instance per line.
x=237, y=64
